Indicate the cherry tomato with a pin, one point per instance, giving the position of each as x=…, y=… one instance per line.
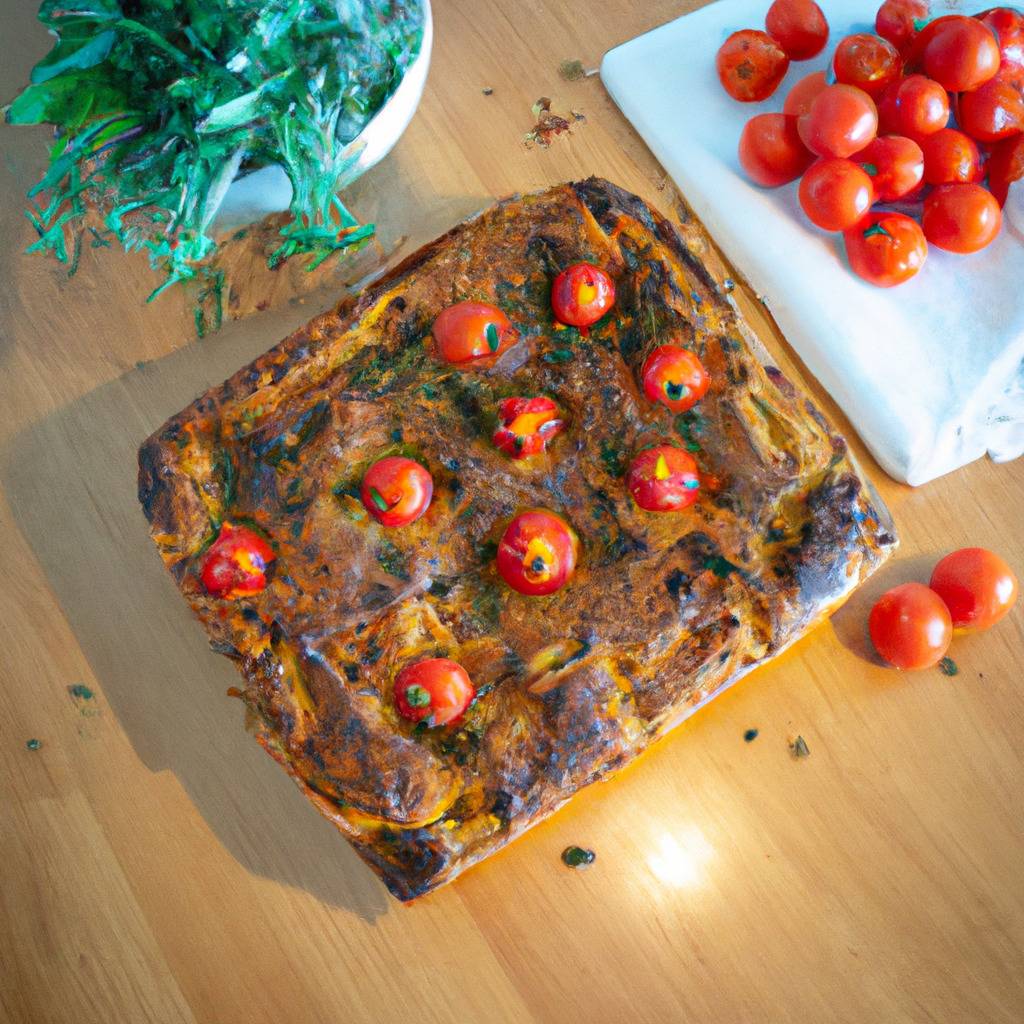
x=472, y=330
x=950, y=156
x=962, y=54
x=582, y=294
x=435, y=691
x=396, y=491
x=842, y=120
x=910, y=626
x=236, y=562
x=914, y=107
x=663, y=479
x=868, y=62
x=798, y=26
x=801, y=95
x=537, y=553
x=979, y=588
x=1008, y=25
x=900, y=20
x=771, y=151
x=526, y=425
x=1005, y=166
x=991, y=112
x=961, y=218
x=835, y=194
x=894, y=164
x=750, y=65
x=886, y=249
x=913, y=55
x=675, y=377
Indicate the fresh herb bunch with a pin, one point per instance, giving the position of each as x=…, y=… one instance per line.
x=159, y=104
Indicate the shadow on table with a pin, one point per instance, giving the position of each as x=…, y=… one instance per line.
x=71, y=483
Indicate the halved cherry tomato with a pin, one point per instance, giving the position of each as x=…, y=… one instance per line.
x=472, y=330
x=914, y=107
x=842, y=120
x=868, y=62
x=961, y=54
x=396, y=491
x=910, y=626
x=1005, y=166
x=582, y=294
x=663, y=479
x=675, y=377
x=950, y=156
x=835, y=194
x=236, y=562
x=979, y=588
x=801, y=95
x=991, y=112
x=526, y=425
x=771, y=151
x=798, y=26
x=895, y=165
x=537, y=553
x=750, y=65
x=435, y=691
x=961, y=218
x=900, y=20
x=886, y=249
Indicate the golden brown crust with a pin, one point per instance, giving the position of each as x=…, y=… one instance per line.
x=665, y=610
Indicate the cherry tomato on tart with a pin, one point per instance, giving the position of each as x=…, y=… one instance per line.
x=868, y=62
x=841, y=120
x=750, y=65
x=895, y=165
x=472, y=330
x=526, y=425
x=236, y=562
x=396, y=491
x=900, y=20
x=798, y=26
x=961, y=218
x=675, y=377
x=950, y=156
x=910, y=626
x=436, y=691
x=771, y=150
x=961, y=54
x=537, y=553
x=977, y=586
x=886, y=249
x=582, y=294
x=801, y=95
x=835, y=194
x=663, y=479
x=914, y=107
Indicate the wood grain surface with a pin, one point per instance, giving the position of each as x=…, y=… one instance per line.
x=157, y=866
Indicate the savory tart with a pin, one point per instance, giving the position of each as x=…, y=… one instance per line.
x=479, y=536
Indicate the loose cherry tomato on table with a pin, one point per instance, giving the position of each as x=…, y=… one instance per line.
x=910, y=626
x=900, y=20
x=992, y=112
x=895, y=165
x=526, y=425
x=798, y=26
x=435, y=691
x=801, y=95
x=396, y=491
x=675, y=377
x=950, y=156
x=961, y=54
x=978, y=587
x=1005, y=166
x=961, y=218
x=537, y=553
x=835, y=194
x=771, y=151
x=663, y=479
x=841, y=120
x=750, y=65
x=886, y=249
x=914, y=107
x=236, y=562
x=582, y=294
x=472, y=330
x=868, y=62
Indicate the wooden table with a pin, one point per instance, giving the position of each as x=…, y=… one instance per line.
x=158, y=867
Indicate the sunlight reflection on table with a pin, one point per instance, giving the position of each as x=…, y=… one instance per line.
x=681, y=857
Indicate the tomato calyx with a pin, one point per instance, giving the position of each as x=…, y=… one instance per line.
x=875, y=229
x=433, y=692
x=526, y=425
x=235, y=564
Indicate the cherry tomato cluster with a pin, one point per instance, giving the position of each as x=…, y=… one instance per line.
x=912, y=625
x=925, y=113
